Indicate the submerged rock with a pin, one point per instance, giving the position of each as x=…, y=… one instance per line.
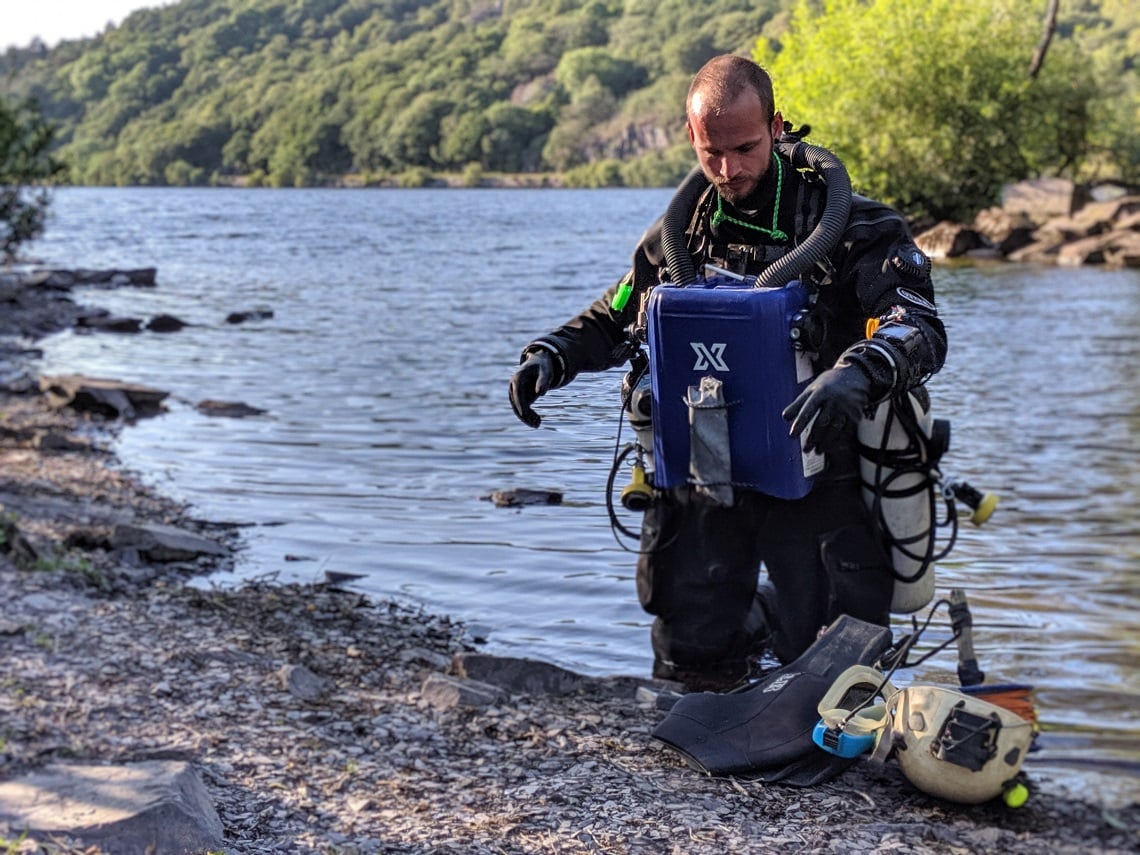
x=254, y=315
x=228, y=409
x=101, y=322
x=520, y=496
x=165, y=323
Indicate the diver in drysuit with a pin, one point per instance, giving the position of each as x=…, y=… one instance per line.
x=698, y=569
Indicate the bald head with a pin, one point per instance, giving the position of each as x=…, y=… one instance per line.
x=722, y=80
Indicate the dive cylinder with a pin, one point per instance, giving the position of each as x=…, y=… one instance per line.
x=899, y=449
x=637, y=495
x=638, y=394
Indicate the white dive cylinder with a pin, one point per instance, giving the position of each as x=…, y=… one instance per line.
x=897, y=461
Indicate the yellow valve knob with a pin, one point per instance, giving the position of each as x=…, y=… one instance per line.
x=637, y=494
x=982, y=504
x=1015, y=796
x=985, y=509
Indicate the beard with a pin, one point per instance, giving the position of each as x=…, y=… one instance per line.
x=736, y=191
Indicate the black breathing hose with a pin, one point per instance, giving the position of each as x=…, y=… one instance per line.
x=676, y=220
x=823, y=239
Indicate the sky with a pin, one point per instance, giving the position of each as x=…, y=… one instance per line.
x=54, y=20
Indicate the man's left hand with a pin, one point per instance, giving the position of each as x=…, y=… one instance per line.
x=836, y=400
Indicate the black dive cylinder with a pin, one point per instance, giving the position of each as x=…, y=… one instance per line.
x=823, y=239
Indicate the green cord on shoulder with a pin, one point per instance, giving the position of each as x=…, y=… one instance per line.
x=719, y=216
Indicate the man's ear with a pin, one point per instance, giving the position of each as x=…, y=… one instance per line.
x=777, y=126
x=689, y=130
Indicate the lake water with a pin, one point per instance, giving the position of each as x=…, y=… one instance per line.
x=397, y=320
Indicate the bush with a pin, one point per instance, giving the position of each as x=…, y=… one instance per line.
x=414, y=177
x=659, y=169
x=929, y=103
x=473, y=175
x=600, y=173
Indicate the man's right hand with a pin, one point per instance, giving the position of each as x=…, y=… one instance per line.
x=531, y=381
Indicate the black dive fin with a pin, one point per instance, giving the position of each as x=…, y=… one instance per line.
x=813, y=767
x=765, y=729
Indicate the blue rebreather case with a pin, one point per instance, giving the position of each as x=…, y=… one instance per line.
x=741, y=335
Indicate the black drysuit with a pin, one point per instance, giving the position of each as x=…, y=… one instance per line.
x=699, y=567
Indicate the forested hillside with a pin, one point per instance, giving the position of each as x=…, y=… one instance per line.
x=290, y=91
x=294, y=92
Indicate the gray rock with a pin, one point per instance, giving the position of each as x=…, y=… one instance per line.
x=145, y=276
x=164, y=543
x=446, y=692
x=242, y=317
x=302, y=683
x=423, y=656
x=107, y=397
x=949, y=240
x=109, y=323
x=1006, y=232
x=165, y=323
x=520, y=496
x=1043, y=249
x=135, y=809
x=1089, y=250
x=537, y=679
x=60, y=280
x=229, y=409
x=55, y=441
x=520, y=676
x=1042, y=197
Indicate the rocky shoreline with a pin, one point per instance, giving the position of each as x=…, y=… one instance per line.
x=276, y=718
x=1045, y=221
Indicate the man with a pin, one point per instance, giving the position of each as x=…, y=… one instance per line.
x=699, y=562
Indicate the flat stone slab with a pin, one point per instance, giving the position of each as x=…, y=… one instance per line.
x=150, y=807
x=111, y=398
x=536, y=678
x=163, y=543
x=446, y=692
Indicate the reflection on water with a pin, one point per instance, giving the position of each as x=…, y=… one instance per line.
x=397, y=316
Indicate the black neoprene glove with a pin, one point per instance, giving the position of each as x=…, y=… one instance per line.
x=532, y=380
x=837, y=399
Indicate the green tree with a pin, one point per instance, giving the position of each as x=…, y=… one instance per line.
x=462, y=138
x=1113, y=52
x=414, y=136
x=514, y=137
x=287, y=91
x=25, y=167
x=576, y=131
x=929, y=102
x=577, y=67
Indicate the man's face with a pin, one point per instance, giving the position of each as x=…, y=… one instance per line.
x=734, y=146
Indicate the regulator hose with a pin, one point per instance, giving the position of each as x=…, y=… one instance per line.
x=822, y=240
